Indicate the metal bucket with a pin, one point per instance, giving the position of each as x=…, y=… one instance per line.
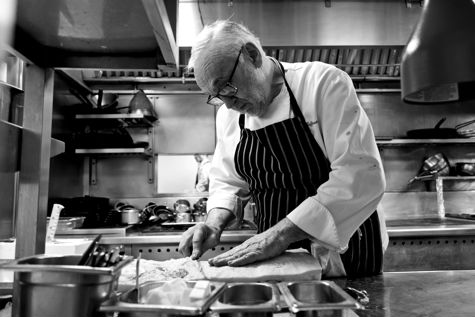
x=56, y=286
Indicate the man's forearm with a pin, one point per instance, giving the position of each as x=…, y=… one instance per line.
x=288, y=232
x=219, y=218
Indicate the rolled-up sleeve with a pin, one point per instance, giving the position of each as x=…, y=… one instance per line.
x=356, y=182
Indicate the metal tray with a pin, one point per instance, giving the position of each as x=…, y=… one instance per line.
x=127, y=302
x=316, y=295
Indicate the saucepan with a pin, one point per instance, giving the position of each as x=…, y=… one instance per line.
x=129, y=214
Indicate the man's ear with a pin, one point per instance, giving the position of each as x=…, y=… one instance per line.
x=254, y=54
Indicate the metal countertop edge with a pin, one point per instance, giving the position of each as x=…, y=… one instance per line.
x=238, y=236
x=172, y=238
x=468, y=230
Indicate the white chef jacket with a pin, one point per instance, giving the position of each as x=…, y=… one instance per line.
x=202, y=175
x=341, y=128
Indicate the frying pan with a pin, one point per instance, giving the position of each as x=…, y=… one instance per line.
x=434, y=133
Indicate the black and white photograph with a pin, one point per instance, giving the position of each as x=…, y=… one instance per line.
x=237, y=158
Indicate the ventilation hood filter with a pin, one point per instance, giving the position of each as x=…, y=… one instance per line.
x=438, y=64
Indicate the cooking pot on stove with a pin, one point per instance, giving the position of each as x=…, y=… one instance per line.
x=129, y=215
x=156, y=214
x=182, y=210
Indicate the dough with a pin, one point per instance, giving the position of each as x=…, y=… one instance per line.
x=151, y=270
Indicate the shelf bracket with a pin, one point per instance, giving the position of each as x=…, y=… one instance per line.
x=92, y=171
x=151, y=170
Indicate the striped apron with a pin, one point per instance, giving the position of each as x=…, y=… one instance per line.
x=283, y=165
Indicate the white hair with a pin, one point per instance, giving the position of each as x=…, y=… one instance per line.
x=222, y=37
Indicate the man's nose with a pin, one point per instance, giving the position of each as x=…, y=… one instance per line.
x=230, y=102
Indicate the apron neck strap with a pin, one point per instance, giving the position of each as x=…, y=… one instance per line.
x=293, y=102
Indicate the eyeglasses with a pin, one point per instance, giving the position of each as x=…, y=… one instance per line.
x=229, y=90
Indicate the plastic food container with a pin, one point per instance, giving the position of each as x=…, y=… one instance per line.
x=56, y=286
x=317, y=298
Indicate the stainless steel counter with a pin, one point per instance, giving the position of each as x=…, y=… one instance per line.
x=417, y=294
x=164, y=245
x=430, y=227
x=228, y=236
x=415, y=244
x=430, y=244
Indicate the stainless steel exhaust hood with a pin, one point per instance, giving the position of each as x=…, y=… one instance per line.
x=305, y=22
x=438, y=64
x=103, y=34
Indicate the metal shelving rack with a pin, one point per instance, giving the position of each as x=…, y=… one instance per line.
x=130, y=120
x=127, y=120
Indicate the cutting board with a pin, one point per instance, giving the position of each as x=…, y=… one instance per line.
x=290, y=266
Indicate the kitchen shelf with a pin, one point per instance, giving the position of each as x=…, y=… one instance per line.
x=410, y=142
x=57, y=147
x=141, y=150
x=11, y=136
x=129, y=79
x=128, y=119
x=15, y=88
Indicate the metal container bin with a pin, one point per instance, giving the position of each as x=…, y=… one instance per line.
x=56, y=286
x=317, y=298
x=127, y=304
x=247, y=299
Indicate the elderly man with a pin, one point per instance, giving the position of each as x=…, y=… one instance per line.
x=294, y=138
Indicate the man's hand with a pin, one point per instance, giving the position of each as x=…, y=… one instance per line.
x=265, y=245
x=197, y=239
x=201, y=237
